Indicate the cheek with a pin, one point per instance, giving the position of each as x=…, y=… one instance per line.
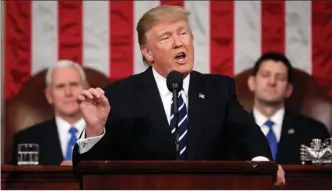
x=77, y=90
x=261, y=83
x=58, y=95
x=282, y=89
x=162, y=52
x=189, y=42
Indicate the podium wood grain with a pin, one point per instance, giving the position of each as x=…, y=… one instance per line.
x=308, y=177
x=298, y=177
x=38, y=178
x=176, y=175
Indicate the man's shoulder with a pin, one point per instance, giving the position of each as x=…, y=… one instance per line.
x=217, y=78
x=36, y=130
x=123, y=83
x=304, y=119
x=215, y=81
x=308, y=124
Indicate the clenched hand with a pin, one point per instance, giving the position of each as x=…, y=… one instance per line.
x=95, y=109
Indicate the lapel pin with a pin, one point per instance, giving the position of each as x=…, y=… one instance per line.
x=291, y=131
x=201, y=96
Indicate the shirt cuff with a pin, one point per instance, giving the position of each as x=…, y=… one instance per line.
x=260, y=158
x=85, y=144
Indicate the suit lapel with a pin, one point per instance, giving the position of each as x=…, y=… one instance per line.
x=150, y=97
x=194, y=114
x=52, y=153
x=159, y=126
x=285, y=138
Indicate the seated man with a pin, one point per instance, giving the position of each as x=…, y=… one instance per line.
x=57, y=136
x=285, y=130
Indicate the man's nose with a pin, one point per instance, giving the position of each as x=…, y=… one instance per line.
x=272, y=80
x=177, y=42
x=68, y=90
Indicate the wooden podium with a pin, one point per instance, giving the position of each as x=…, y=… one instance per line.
x=298, y=177
x=142, y=175
x=38, y=178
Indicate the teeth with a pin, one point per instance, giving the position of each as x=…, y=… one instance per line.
x=180, y=54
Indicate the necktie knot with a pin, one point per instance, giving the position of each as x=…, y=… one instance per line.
x=269, y=123
x=73, y=131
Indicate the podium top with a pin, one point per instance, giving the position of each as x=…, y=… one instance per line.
x=178, y=166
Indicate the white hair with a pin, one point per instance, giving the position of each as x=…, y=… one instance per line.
x=65, y=64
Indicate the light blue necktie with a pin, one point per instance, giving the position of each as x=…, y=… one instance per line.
x=71, y=143
x=271, y=137
x=182, y=124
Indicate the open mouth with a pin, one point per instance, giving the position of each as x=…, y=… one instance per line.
x=181, y=57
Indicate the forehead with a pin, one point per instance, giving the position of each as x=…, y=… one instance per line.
x=66, y=74
x=161, y=27
x=273, y=66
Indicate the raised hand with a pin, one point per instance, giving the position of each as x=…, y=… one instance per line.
x=95, y=109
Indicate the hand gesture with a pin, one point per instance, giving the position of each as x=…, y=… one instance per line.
x=95, y=109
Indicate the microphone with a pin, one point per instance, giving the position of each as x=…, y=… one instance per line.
x=174, y=84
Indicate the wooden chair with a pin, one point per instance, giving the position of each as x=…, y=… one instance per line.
x=30, y=107
x=308, y=97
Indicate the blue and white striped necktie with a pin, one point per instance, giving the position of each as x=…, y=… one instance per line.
x=182, y=125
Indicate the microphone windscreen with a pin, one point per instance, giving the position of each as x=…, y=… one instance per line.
x=174, y=81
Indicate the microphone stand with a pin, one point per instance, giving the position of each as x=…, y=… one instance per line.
x=176, y=116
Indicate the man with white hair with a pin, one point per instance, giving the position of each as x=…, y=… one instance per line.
x=57, y=136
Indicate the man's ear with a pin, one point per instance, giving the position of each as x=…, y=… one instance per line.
x=251, y=83
x=147, y=54
x=289, y=90
x=48, y=95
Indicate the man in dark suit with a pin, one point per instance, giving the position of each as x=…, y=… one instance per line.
x=285, y=130
x=57, y=136
x=139, y=123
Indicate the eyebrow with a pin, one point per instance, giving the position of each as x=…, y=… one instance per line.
x=168, y=32
x=164, y=33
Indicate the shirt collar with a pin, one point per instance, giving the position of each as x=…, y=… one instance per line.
x=277, y=118
x=64, y=126
x=162, y=84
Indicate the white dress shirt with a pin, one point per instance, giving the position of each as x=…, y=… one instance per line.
x=86, y=144
x=277, y=119
x=166, y=95
x=63, y=132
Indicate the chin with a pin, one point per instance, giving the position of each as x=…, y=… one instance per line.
x=271, y=102
x=70, y=112
x=185, y=69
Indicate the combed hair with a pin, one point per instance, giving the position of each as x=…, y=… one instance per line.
x=154, y=15
x=65, y=64
x=277, y=57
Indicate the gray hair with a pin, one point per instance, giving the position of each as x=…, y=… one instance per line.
x=65, y=64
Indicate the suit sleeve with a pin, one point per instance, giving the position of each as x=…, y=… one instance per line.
x=109, y=146
x=248, y=141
